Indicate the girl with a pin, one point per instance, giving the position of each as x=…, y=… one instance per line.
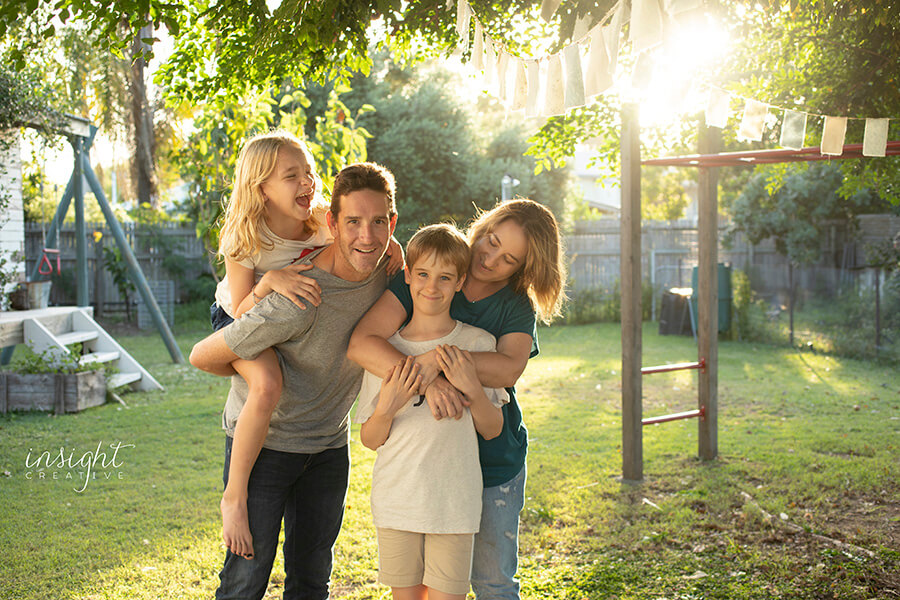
x=517, y=273
x=274, y=217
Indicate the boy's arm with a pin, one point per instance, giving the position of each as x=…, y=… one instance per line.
x=459, y=368
x=503, y=368
x=398, y=387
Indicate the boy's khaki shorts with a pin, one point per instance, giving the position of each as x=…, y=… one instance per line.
x=442, y=561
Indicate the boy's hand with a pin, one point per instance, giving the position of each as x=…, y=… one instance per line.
x=395, y=255
x=401, y=384
x=459, y=369
x=292, y=285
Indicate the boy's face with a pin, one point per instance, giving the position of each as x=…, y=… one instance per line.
x=432, y=284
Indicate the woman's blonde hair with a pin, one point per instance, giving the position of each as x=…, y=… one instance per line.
x=241, y=235
x=544, y=272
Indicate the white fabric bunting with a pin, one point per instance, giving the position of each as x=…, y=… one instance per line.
x=502, y=66
x=597, y=77
x=793, y=129
x=646, y=24
x=582, y=27
x=463, y=16
x=478, y=48
x=490, y=63
x=875, y=138
x=718, y=108
x=611, y=34
x=549, y=8
x=833, y=134
x=574, y=78
x=520, y=89
x=555, y=100
x=534, y=86
x=754, y=120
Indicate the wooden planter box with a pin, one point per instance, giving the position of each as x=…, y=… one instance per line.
x=59, y=392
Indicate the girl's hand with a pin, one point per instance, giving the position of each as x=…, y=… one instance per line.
x=401, y=384
x=459, y=369
x=395, y=253
x=291, y=284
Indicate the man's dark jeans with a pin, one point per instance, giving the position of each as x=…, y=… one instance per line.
x=309, y=491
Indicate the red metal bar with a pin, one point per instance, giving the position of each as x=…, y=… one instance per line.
x=751, y=157
x=690, y=414
x=700, y=364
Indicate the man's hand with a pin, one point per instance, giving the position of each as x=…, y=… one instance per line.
x=444, y=400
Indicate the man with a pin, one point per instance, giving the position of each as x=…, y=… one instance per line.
x=301, y=472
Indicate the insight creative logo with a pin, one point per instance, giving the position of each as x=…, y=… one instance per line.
x=72, y=465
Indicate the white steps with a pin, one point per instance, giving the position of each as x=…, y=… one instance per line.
x=98, y=347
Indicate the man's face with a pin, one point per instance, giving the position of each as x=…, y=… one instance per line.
x=361, y=232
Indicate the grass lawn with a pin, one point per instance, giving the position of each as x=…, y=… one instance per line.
x=804, y=501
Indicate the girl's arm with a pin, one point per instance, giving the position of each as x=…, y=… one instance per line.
x=503, y=368
x=400, y=384
x=287, y=281
x=459, y=368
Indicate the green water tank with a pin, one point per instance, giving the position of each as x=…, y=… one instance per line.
x=724, y=276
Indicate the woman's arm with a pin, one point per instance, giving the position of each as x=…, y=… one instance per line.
x=368, y=345
x=503, y=368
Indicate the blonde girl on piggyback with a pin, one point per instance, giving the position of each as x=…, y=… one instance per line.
x=274, y=217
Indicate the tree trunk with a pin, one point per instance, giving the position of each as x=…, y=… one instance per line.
x=144, y=160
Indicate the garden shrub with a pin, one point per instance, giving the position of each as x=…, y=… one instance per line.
x=603, y=305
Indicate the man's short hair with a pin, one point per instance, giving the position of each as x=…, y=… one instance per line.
x=443, y=241
x=363, y=176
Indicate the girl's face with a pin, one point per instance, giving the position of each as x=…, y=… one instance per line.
x=498, y=255
x=290, y=188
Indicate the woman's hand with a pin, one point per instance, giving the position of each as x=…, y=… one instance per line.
x=459, y=369
x=428, y=368
x=401, y=384
x=395, y=254
x=291, y=284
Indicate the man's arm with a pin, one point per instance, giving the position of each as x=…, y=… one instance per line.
x=213, y=355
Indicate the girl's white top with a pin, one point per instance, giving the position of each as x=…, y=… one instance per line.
x=282, y=253
x=427, y=477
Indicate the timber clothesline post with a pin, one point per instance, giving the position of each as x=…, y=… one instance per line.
x=708, y=297
x=630, y=239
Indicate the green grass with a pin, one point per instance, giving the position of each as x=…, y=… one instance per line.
x=816, y=438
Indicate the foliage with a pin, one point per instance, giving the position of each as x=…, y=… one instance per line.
x=25, y=99
x=115, y=263
x=827, y=58
x=601, y=305
x=794, y=210
x=48, y=361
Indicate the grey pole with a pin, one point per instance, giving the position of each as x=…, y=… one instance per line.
x=134, y=269
x=81, y=278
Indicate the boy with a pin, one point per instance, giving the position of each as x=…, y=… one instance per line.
x=426, y=484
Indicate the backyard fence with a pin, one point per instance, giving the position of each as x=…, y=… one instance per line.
x=172, y=258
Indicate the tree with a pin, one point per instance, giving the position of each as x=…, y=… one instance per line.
x=796, y=209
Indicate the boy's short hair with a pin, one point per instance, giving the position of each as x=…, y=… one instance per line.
x=363, y=176
x=445, y=242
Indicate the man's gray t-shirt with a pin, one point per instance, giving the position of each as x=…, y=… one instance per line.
x=320, y=382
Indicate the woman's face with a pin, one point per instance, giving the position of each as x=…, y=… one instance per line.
x=498, y=255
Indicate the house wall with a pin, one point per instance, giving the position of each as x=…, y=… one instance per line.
x=12, y=220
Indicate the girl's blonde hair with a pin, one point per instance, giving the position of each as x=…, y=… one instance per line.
x=544, y=272
x=245, y=212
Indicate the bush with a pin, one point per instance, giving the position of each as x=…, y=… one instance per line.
x=603, y=305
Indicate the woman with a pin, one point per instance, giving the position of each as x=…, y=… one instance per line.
x=516, y=274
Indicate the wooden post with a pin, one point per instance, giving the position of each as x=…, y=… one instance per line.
x=632, y=428
x=59, y=394
x=708, y=299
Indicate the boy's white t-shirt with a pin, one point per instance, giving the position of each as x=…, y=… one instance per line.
x=283, y=253
x=427, y=478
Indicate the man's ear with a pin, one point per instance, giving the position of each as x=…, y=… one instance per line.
x=461, y=281
x=332, y=226
x=406, y=275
